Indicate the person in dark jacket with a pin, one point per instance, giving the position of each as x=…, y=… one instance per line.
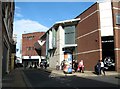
x=98, y=68
x=45, y=64
x=76, y=66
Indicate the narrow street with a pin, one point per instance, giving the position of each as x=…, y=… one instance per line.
x=41, y=41
x=40, y=78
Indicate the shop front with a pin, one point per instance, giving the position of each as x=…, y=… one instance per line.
x=30, y=63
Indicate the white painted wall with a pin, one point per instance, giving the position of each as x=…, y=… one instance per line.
x=33, y=57
x=58, y=54
x=106, y=23
x=25, y=57
x=50, y=39
x=47, y=43
x=41, y=42
x=62, y=43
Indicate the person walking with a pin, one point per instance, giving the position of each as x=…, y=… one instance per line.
x=98, y=68
x=76, y=66
x=102, y=69
x=45, y=64
x=57, y=66
x=62, y=64
x=81, y=66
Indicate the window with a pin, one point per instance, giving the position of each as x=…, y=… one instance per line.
x=118, y=19
x=30, y=37
x=54, y=35
x=24, y=37
x=69, y=35
x=30, y=48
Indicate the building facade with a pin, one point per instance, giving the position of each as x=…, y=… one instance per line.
x=40, y=47
x=30, y=54
x=60, y=38
x=116, y=28
x=91, y=36
x=96, y=35
x=7, y=42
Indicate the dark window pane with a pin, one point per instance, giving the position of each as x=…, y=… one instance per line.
x=118, y=19
x=70, y=35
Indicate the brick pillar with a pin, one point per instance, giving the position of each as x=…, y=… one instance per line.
x=116, y=6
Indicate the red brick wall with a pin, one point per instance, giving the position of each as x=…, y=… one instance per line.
x=30, y=43
x=116, y=35
x=89, y=38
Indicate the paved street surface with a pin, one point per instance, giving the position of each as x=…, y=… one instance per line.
x=14, y=80
x=39, y=78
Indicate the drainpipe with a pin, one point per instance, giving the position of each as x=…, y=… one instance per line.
x=1, y=56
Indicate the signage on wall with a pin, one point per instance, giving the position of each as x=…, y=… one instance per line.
x=68, y=63
x=107, y=41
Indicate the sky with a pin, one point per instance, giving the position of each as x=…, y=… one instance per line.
x=40, y=16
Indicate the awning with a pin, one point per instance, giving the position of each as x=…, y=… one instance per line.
x=69, y=48
x=70, y=45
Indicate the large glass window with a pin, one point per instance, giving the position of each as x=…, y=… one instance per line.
x=69, y=35
x=54, y=38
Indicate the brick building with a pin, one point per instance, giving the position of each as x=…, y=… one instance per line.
x=97, y=35
x=7, y=42
x=40, y=47
x=30, y=54
x=91, y=36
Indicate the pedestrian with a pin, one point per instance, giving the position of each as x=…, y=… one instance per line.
x=76, y=66
x=41, y=64
x=62, y=64
x=98, y=68
x=102, y=69
x=81, y=66
x=45, y=64
x=73, y=64
x=57, y=65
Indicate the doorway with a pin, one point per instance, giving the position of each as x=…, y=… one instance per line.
x=108, y=54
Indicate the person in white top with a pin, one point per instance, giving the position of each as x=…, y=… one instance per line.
x=102, y=67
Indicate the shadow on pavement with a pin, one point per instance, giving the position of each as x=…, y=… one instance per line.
x=42, y=79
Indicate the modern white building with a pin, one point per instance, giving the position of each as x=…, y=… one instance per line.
x=60, y=38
